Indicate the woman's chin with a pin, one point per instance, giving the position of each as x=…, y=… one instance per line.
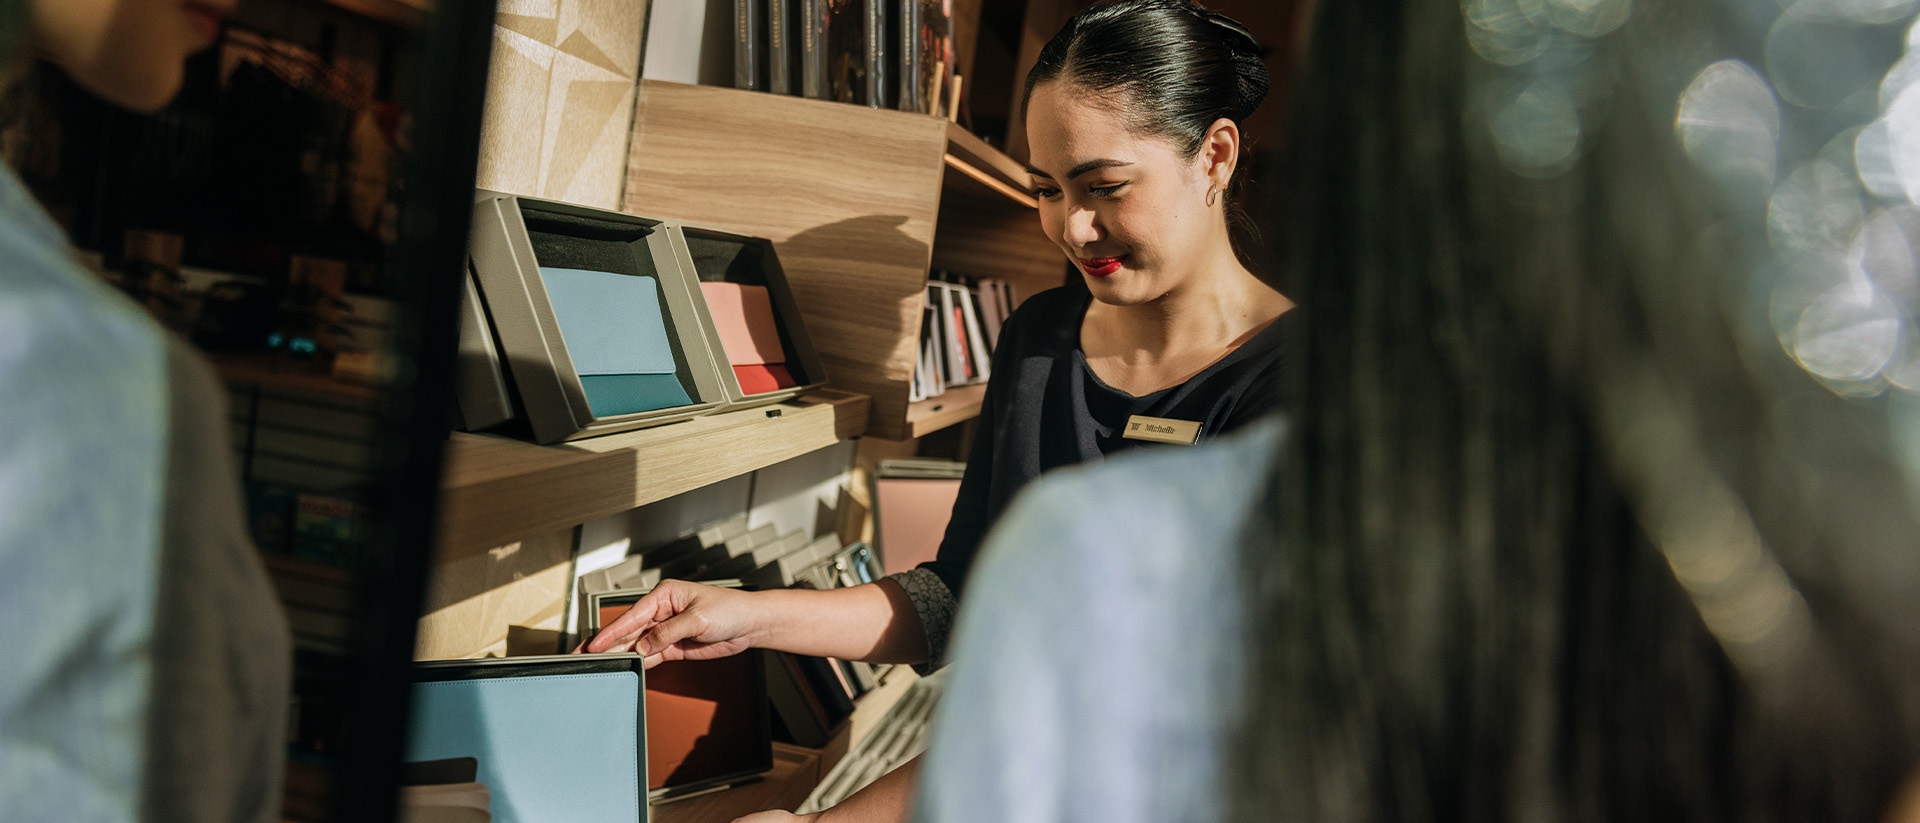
x=1124, y=288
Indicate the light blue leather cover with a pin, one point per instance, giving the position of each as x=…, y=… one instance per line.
x=554, y=749
x=612, y=322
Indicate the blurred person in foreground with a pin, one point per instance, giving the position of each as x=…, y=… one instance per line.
x=1556, y=534
x=147, y=662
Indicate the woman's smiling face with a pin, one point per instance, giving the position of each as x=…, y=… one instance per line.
x=1129, y=210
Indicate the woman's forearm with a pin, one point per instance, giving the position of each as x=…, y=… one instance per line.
x=875, y=622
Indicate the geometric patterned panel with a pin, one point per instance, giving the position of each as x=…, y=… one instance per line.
x=560, y=99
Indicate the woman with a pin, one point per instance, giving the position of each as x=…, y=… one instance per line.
x=1132, y=116
x=119, y=508
x=1553, y=536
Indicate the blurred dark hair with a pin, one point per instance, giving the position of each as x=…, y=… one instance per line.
x=1548, y=541
x=1172, y=68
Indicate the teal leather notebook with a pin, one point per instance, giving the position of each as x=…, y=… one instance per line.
x=551, y=749
x=615, y=394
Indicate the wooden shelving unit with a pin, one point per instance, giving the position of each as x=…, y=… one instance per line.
x=956, y=405
x=861, y=203
x=497, y=490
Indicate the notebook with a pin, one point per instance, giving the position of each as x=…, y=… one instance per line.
x=763, y=378
x=612, y=323
x=744, y=316
x=550, y=747
x=616, y=335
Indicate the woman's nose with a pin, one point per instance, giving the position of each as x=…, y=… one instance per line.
x=1082, y=228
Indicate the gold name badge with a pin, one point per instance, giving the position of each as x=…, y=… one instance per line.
x=1163, y=430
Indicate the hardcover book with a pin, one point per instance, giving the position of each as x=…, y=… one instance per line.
x=783, y=48
x=811, y=28
x=749, y=44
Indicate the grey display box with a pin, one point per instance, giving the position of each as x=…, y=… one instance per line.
x=720, y=256
x=512, y=237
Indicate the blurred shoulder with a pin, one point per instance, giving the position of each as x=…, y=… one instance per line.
x=1148, y=515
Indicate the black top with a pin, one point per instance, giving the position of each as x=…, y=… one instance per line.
x=1044, y=408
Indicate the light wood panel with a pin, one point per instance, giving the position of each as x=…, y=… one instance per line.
x=848, y=195
x=860, y=204
x=474, y=601
x=498, y=490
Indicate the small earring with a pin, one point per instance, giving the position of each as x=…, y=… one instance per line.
x=1212, y=194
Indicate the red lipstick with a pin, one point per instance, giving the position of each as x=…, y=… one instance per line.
x=1101, y=266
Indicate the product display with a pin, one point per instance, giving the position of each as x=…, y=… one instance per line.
x=596, y=316
x=756, y=331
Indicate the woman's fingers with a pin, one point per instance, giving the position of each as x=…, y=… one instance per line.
x=648, y=611
x=666, y=635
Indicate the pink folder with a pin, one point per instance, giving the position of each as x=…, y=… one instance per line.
x=744, y=316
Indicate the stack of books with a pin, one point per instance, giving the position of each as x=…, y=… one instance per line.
x=959, y=329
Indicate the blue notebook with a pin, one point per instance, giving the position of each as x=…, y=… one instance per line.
x=552, y=749
x=612, y=323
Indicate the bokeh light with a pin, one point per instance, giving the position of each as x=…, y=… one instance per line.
x=1729, y=123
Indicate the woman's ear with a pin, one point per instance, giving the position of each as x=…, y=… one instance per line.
x=1220, y=153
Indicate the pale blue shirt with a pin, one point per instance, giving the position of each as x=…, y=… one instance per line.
x=143, y=662
x=1100, y=650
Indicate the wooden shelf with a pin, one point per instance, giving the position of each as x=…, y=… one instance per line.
x=860, y=203
x=955, y=405
x=497, y=491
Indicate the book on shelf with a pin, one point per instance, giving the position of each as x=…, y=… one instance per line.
x=810, y=31
x=749, y=45
x=783, y=48
x=879, y=73
x=959, y=329
x=925, y=55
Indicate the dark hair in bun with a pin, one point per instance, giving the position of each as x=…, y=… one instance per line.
x=1171, y=67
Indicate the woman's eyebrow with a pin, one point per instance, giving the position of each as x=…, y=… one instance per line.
x=1083, y=168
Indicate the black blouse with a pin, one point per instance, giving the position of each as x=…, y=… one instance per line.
x=1044, y=408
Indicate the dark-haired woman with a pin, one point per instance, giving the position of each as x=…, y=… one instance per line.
x=1133, y=117
x=1552, y=534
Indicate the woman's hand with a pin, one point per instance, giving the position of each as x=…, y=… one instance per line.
x=679, y=620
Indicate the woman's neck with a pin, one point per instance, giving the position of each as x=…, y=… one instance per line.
x=1215, y=309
